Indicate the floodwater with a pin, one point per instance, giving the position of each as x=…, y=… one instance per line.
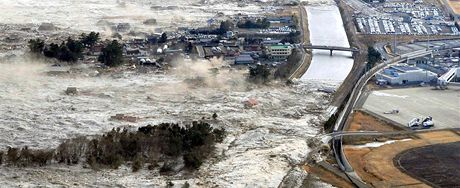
x=261, y=146
x=326, y=28
x=96, y=15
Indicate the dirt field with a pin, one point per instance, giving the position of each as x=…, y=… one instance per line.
x=376, y=167
x=455, y=5
x=442, y=162
x=365, y=122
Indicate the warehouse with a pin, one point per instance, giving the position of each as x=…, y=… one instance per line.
x=403, y=74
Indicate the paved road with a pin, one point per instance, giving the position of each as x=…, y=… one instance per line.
x=332, y=135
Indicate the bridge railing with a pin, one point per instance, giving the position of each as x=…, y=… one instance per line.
x=320, y=47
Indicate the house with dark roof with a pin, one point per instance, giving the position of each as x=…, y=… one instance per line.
x=244, y=60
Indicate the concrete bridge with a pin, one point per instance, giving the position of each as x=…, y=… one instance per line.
x=331, y=48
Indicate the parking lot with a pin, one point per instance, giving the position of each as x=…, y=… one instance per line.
x=419, y=102
x=403, y=18
x=375, y=25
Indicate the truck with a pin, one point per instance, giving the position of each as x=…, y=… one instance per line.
x=417, y=124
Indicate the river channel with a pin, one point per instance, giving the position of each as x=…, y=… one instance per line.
x=326, y=28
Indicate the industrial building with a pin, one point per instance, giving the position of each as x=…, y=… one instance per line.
x=279, y=52
x=403, y=74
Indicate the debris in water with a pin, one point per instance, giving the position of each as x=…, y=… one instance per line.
x=123, y=117
x=71, y=91
x=251, y=103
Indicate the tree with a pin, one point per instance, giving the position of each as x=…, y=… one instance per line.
x=69, y=51
x=75, y=47
x=112, y=54
x=36, y=45
x=137, y=164
x=163, y=38
x=186, y=185
x=161, y=60
x=263, y=23
x=165, y=142
x=259, y=24
x=292, y=37
x=12, y=155
x=225, y=26
x=295, y=21
x=259, y=73
x=65, y=54
x=90, y=39
x=189, y=47
x=51, y=51
x=193, y=159
x=285, y=70
x=373, y=56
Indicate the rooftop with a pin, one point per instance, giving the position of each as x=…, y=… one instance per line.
x=244, y=58
x=405, y=68
x=280, y=47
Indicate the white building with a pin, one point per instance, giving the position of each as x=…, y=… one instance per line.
x=279, y=52
x=402, y=74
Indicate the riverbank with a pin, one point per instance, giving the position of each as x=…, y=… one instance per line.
x=304, y=63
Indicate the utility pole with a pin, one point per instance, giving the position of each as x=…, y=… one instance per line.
x=428, y=43
x=394, y=43
x=426, y=75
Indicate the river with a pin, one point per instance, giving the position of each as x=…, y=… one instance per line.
x=326, y=28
